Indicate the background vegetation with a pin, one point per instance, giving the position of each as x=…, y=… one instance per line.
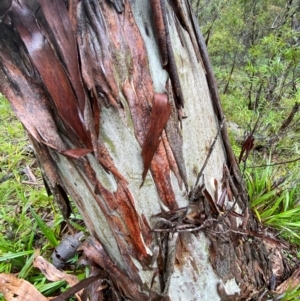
x=255, y=51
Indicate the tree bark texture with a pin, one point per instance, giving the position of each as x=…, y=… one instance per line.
x=121, y=105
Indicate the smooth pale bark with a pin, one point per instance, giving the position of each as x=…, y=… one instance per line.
x=97, y=124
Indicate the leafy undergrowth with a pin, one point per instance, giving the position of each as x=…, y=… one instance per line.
x=255, y=52
x=29, y=220
x=275, y=200
x=271, y=168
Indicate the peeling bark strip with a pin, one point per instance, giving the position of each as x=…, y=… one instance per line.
x=51, y=177
x=104, y=113
x=174, y=136
x=118, y=4
x=130, y=289
x=58, y=20
x=160, y=113
x=49, y=68
x=172, y=68
x=160, y=30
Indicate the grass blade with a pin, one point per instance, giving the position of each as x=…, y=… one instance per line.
x=47, y=231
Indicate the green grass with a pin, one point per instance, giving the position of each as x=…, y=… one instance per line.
x=275, y=200
x=29, y=220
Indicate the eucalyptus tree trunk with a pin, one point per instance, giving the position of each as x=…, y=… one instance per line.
x=120, y=103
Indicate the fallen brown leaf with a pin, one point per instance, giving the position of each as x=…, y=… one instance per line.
x=52, y=273
x=289, y=283
x=15, y=289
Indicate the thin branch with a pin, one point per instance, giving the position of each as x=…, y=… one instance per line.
x=76, y=288
x=193, y=192
x=208, y=155
x=210, y=223
x=274, y=164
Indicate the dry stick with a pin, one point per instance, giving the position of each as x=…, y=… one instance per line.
x=217, y=104
x=286, y=123
x=274, y=164
x=76, y=288
x=247, y=151
x=231, y=72
x=214, y=221
x=203, y=226
x=201, y=172
x=208, y=156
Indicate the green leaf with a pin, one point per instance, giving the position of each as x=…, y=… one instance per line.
x=8, y=256
x=47, y=231
x=27, y=267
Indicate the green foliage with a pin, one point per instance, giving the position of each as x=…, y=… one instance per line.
x=254, y=47
x=255, y=51
x=291, y=294
x=47, y=231
x=28, y=218
x=275, y=200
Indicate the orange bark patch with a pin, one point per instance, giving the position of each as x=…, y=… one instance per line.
x=161, y=110
x=160, y=170
x=124, y=220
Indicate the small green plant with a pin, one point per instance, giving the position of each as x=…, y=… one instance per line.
x=292, y=294
x=274, y=199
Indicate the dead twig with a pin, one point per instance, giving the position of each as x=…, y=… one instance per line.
x=193, y=192
x=206, y=224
